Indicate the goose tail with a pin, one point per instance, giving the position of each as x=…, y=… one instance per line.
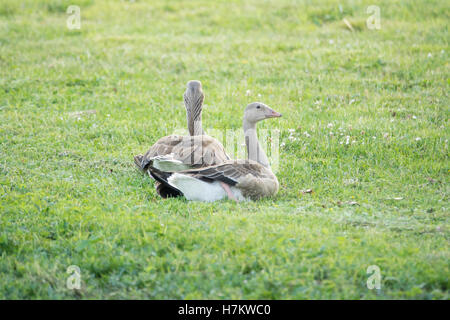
x=168, y=164
x=138, y=161
x=164, y=188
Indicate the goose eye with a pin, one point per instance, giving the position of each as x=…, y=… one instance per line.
x=258, y=107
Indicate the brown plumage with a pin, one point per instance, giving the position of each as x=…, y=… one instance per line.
x=195, y=151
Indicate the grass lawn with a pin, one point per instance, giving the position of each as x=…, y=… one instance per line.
x=368, y=112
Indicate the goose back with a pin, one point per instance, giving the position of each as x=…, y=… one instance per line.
x=195, y=151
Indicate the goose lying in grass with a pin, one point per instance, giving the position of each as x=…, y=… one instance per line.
x=195, y=151
x=236, y=179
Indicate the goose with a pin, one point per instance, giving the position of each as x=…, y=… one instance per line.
x=238, y=180
x=194, y=151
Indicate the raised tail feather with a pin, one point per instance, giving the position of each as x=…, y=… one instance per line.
x=156, y=167
x=168, y=163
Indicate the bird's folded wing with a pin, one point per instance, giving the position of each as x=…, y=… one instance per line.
x=230, y=172
x=195, y=151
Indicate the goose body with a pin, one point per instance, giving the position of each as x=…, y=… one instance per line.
x=247, y=180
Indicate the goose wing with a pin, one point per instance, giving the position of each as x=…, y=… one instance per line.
x=195, y=151
x=230, y=172
x=251, y=178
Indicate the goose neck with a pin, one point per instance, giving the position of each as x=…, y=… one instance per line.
x=195, y=124
x=254, y=150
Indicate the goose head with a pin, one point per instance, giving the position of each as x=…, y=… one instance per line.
x=194, y=86
x=258, y=111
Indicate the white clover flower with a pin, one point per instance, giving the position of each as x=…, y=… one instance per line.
x=347, y=140
x=430, y=55
x=418, y=139
x=306, y=134
x=291, y=130
x=351, y=181
x=248, y=93
x=330, y=125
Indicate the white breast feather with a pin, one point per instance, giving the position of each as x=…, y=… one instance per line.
x=198, y=190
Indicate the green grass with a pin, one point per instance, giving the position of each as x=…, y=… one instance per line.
x=70, y=194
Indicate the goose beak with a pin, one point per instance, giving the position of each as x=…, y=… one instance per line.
x=274, y=114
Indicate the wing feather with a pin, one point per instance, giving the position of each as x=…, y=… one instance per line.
x=196, y=151
x=230, y=172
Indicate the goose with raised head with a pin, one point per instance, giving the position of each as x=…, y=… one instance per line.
x=195, y=151
x=236, y=179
